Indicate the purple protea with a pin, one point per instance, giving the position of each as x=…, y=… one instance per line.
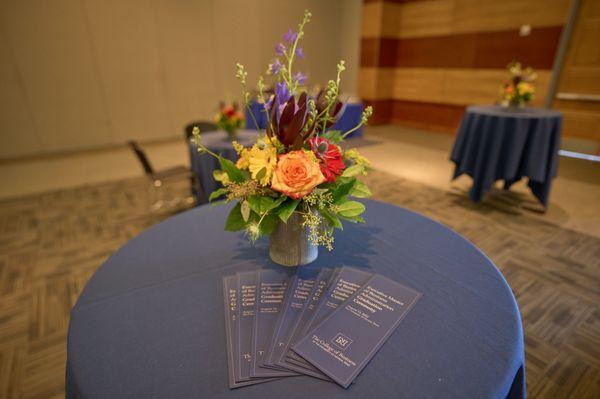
x=288, y=124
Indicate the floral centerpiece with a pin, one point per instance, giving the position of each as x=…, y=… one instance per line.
x=296, y=182
x=519, y=91
x=230, y=119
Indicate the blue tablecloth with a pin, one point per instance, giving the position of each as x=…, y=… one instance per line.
x=203, y=165
x=349, y=119
x=150, y=323
x=494, y=143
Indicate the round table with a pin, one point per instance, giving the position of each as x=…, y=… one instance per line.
x=495, y=143
x=203, y=165
x=150, y=322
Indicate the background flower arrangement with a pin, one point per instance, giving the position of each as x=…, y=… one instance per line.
x=298, y=166
x=230, y=119
x=518, y=91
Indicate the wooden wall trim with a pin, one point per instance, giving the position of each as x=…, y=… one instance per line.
x=469, y=50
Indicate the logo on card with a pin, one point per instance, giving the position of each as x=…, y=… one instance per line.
x=341, y=341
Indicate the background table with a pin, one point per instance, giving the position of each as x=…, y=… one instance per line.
x=349, y=119
x=494, y=143
x=150, y=322
x=203, y=165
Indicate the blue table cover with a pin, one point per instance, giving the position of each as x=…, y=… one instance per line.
x=348, y=120
x=203, y=165
x=150, y=322
x=494, y=143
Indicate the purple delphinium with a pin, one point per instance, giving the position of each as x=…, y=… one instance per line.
x=300, y=78
x=290, y=36
x=282, y=92
x=275, y=67
x=299, y=52
x=280, y=49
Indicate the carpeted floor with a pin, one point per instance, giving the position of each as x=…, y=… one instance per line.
x=51, y=243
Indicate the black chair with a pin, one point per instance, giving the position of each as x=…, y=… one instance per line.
x=204, y=127
x=160, y=178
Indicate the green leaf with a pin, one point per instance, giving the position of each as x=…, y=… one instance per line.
x=235, y=222
x=350, y=208
x=245, y=211
x=360, y=190
x=331, y=218
x=353, y=219
x=217, y=193
x=219, y=175
x=232, y=171
x=343, y=189
x=353, y=170
x=335, y=136
x=261, y=205
x=269, y=223
x=286, y=210
x=261, y=173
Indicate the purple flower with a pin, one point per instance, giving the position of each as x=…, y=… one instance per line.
x=275, y=67
x=290, y=36
x=300, y=78
x=280, y=49
x=282, y=93
x=299, y=52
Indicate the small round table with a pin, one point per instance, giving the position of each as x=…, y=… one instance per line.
x=150, y=322
x=495, y=143
x=203, y=165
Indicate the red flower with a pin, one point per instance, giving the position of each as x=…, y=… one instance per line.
x=331, y=164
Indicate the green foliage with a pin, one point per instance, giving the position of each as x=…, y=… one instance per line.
x=331, y=218
x=342, y=188
x=217, y=194
x=350, y=209
x=286, y=209
x=234, y=221
x=232, y=171
x=353, y=170
x=360, y=190
x=261, y=205
x=335, y=136
x=245, y=211
x=269, y=223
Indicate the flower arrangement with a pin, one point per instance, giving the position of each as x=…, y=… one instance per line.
x=297, y=166
x=230, y=119
x=518, y=91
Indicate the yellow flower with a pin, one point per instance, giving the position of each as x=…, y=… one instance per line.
x=525, y=88
x=244, y=161
x=262, y=158
x=356, y=157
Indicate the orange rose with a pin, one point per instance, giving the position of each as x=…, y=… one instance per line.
x=296, y=174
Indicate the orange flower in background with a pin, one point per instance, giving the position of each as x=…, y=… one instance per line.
x=296, y=174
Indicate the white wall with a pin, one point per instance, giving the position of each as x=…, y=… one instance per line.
x=78, y=74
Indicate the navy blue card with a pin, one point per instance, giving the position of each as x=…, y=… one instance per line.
x=247, y=293
x=300, y=365
x=343, y=344
x=344, y=284
x=231, y=305
x=300, y=289
x=272, y=285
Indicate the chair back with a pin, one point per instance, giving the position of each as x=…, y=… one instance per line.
x=141, y=156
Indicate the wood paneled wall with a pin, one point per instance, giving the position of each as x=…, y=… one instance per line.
x=581, y=76
x=422, y=62
x=79, y=74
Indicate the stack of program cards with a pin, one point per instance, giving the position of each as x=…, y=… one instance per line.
x=323, y=323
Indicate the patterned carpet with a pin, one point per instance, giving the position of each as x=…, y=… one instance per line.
x=51, y=243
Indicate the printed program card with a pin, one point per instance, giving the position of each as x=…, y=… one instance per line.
x=272, y=285
x=231, y=302
x=247, y=293
x=299, y=292
x=344, y=284
x=343, y=344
